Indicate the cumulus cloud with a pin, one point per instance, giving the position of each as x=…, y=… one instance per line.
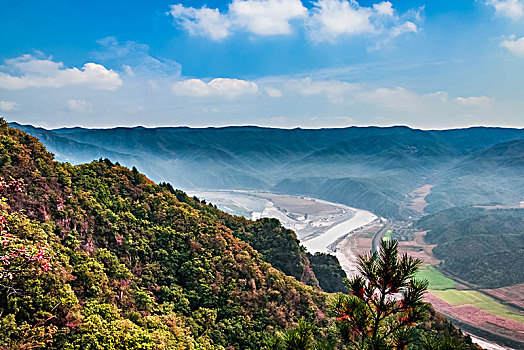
x=79, y=105
x=204, y=21
x=384, y=8
x=327, y=20
x=513, y=9
x=266, y=17
x=260, y=17
x=333, y=18
x=398, y=98
x=221, y=87
x=28, y=71
x=331, y=121
x=515, y=46
x=7, y=106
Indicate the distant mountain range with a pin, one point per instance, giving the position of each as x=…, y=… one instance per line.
x=372, y=168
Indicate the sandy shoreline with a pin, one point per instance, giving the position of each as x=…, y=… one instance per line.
x=322, y=242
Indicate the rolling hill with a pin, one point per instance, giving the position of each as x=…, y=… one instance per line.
x=369, y=167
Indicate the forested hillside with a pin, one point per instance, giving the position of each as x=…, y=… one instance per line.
x=479, y=245
x=97, y=256
x=130, y=264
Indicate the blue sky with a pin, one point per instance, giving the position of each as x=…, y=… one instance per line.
x=282, y=63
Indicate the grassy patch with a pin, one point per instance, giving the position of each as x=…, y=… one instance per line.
x=444, y=288
x=437, y=281
x=480, y=301
x=387, y=236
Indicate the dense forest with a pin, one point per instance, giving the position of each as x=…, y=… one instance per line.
x=479, y=245
x=97, y=256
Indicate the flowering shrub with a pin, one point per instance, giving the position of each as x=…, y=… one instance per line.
x=18, y=255
x=11, y=185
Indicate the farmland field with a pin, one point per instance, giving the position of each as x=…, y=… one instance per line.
x=437, y=281
x=481, y=301
x=444, y=288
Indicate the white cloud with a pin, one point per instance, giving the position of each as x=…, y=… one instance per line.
x=334, y=90
x=79, y=105
x=384, y=8
x=260, y=17
x=397, y=98
x=27, y=71
x=331, y=121
x=272, y=92
x=513, y=9
x=333, y=18
x=222, y=87
x=204, y=21
x=134, y=58
x=7, y=106
x=406, y=27
x=516, y=46
x=441, y=96
x=475, y=101
x=327, y=20
x=266, y=17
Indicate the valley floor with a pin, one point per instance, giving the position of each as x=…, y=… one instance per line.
x=491, y=313
x=346, y=232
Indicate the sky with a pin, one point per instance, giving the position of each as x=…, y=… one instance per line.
x=426, y=64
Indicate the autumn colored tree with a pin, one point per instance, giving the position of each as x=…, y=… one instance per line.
x=384, y=303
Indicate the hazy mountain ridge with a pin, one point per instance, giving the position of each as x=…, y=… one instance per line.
x=369, y=167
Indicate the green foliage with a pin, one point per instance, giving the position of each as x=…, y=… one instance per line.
x=385, y=302
x=329, y=272
x=478, y=245
x=134, y=265
x=276, y=244
x=302, y=337
x=383, y=311
x=435, y=330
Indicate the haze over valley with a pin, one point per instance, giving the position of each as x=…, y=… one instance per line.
x=374, y=168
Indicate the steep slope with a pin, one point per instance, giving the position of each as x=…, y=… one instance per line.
x=134, y=263
x=482, y=246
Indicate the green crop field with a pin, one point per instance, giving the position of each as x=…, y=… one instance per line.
x=437, y=281
x=444, y=288
x=480, y=301
x=387, y=236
